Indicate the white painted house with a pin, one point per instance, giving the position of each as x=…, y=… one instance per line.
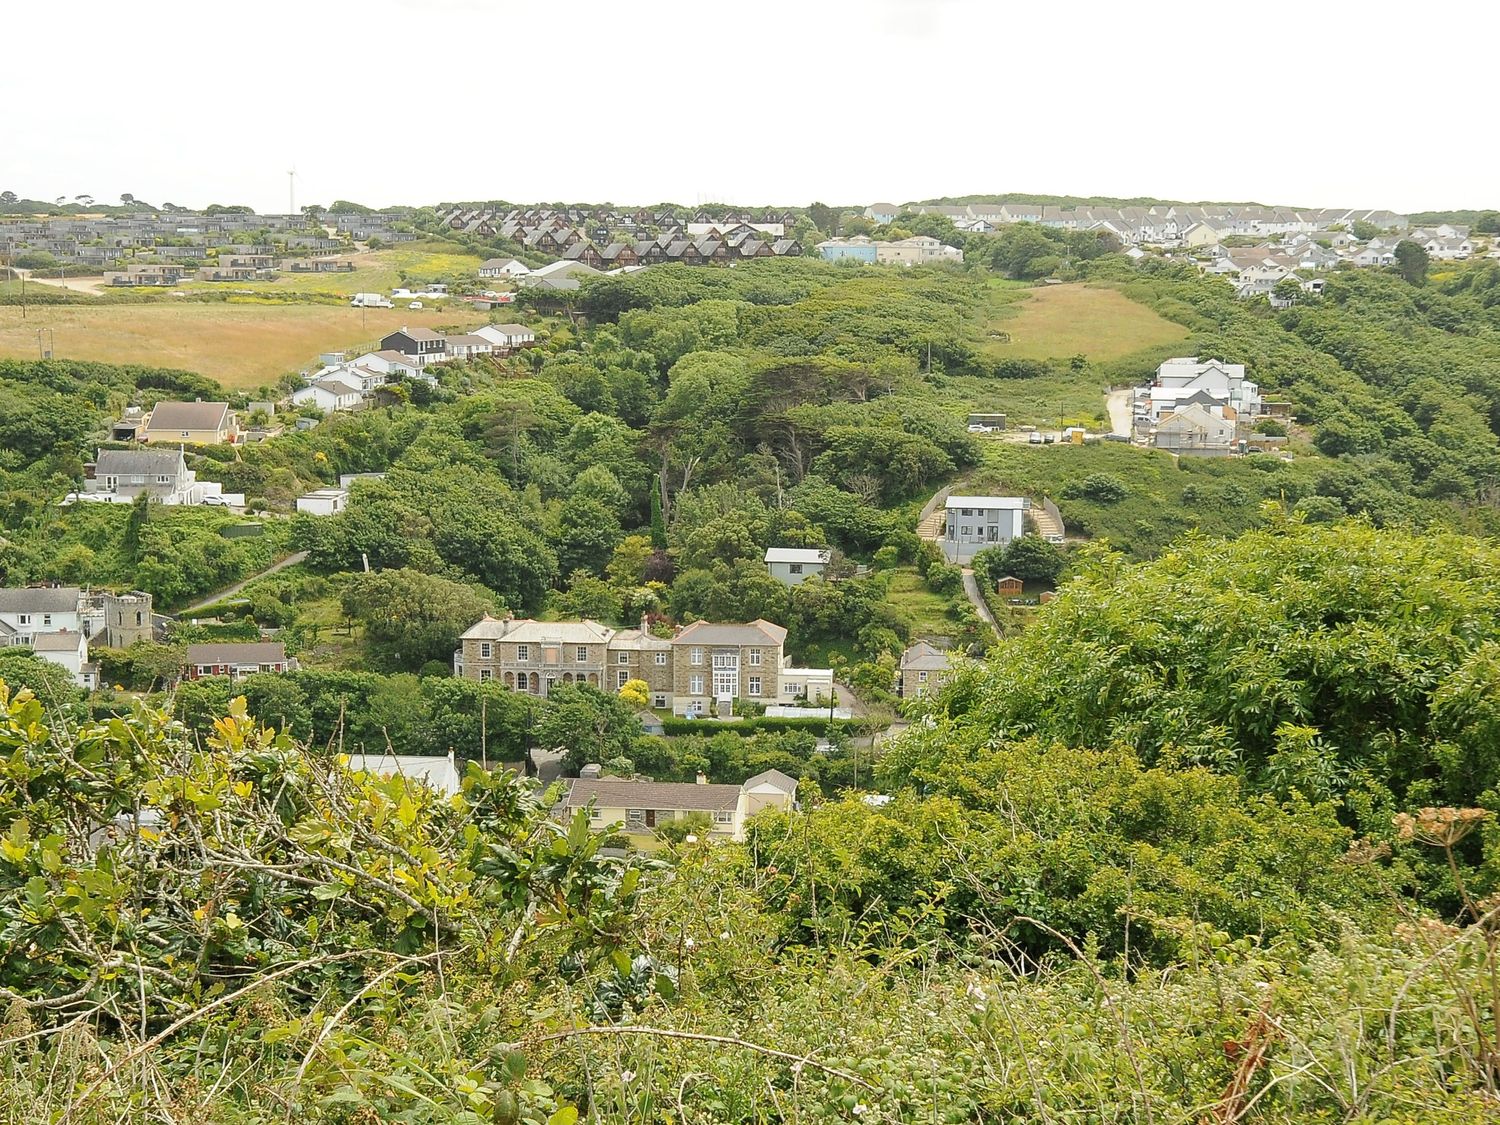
x=795, y=565
x=506, y=338
x=30, y=611
x=331, y=393
x=503, y=267
x=815, y=685
x=323, y=501
x=977, y=522
x=69, y=650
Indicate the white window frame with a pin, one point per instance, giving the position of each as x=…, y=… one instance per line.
x=622, y=677
x=24, y=619
x=485, y=675
x=623, y=658
x=755, y=658
x=635, y=818
x=723, y=816
x=661, y=659
x=755, y=685
x=695, y=685
x=486, y=650
x=523, y=652
x=582, y=654
x=695, y=656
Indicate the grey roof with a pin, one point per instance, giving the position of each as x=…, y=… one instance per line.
x=248, y=653
x=758, y=632
x=416, y=334
x=796, y=554
x=924, y=657
x=618, y=793
x=39, y=599
x=189, y=416
x=138, y=462
x=64, y=641
x=527, y=631
x=639, y=639
x=774, y=778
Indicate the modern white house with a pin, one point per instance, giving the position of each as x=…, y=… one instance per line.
x=118, y=476
x=323, y=501
x=1180, y=380
x=795, y=565
x=976, y=522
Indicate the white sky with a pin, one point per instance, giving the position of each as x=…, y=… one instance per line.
x=1321, y=103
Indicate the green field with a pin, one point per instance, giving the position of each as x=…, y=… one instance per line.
x=1061, y=321
x=931, y=615
x=1063, y=398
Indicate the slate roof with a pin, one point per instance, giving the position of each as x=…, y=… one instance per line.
x=618, y=793
x=758, y=632
x=137, y=462
x=39, y=599
x=189, y=416
x=64, y=641
x=924, y=657
x=796, y=554
x=247, y=653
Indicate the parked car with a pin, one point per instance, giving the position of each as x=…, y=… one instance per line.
x=976, y=428
x=1034, y=438
x=415, y=305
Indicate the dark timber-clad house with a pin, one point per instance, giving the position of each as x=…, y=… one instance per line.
x=420, y=344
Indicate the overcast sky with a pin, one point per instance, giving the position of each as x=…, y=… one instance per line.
x=1323, y=103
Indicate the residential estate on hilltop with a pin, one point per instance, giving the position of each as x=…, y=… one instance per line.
x=704, y=664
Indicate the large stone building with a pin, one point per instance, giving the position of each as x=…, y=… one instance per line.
x=704, y=666
x=717, y=664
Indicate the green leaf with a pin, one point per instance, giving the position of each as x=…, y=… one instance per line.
x=568, y=1115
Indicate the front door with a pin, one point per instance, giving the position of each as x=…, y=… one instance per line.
x=650, y=818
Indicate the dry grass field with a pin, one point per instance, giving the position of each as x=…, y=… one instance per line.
x=243, y=346
x=1060, y=321
x=376, y=271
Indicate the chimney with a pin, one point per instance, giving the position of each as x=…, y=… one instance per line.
x=702, y=778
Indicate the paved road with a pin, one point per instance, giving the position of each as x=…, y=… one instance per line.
x=976, y=596
x=231, y=591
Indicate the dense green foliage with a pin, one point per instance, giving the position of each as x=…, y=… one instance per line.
x=1336, y=663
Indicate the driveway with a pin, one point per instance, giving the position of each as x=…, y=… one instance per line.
x=976, y=596
x=1120, y=419
x=231, y=591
